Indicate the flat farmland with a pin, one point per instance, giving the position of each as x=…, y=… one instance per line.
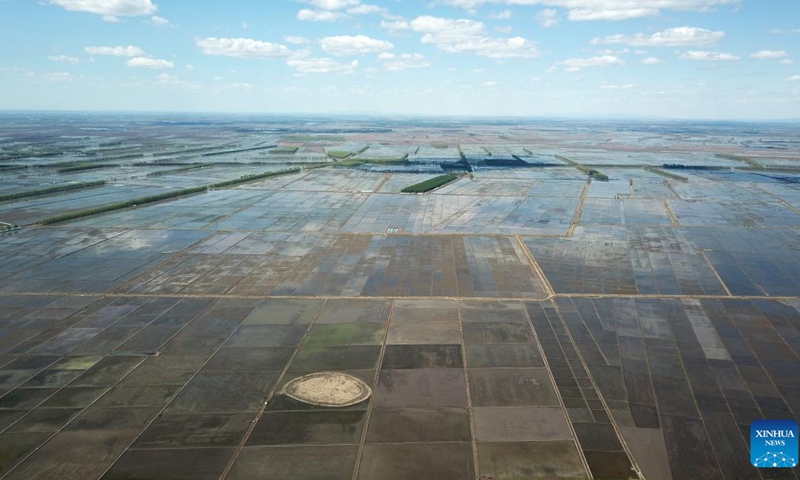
x=521, y=322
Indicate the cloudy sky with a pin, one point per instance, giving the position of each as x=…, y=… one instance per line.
x=717, y=59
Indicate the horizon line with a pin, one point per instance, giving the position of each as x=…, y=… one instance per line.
x=608, y=117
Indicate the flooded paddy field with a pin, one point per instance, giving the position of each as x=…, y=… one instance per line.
x=523, y=322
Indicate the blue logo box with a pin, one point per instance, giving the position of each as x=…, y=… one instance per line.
x=773, y=444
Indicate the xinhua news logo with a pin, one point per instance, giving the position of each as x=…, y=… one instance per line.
x=773, y=444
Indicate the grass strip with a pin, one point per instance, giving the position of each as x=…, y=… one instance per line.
x=593, y=173
x=48, y=191
x=673, y=176
x=179, y=170
x=86, y=166
x=314, y=166
x=253, y=178
x=741, y=158
x=566, y=160
x=339, y=154
x=430, y=184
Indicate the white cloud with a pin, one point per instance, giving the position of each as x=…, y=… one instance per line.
x=320, y=15
x=167, y=80
x=65, y=59
x=244, y=48
x=586, y=14
x=783, y=31
x=129, y=51
x=708, y=56
x=626, y=86
x=238, y=86
x=60, y=76
x=576, y=64
x=395, y=27
x=502, y=15
x=405, y=61
x=364, y=10
x=507, y=29
x=673, y=37
x=111, y=19
x=651, y=61
x=548, y=17
x=296, y=40
x=580, y=10
x=794, y=78
x=468, y=36
x=344, y=45
x=189, y=66
x=770, y=54
x=333, y=10
x=322, y=65
x=159, y=21
x=332, y=4
x=787, y=61
x=109, y=8
x=490, y=83
x=145, y=62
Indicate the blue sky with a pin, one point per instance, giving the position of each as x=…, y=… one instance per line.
x=717, y=59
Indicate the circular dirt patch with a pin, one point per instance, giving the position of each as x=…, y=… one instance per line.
x=328, y=389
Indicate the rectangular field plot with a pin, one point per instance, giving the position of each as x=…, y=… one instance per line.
x=616, y=187
x=31, y=210
x=406, y=213
x=600, y=211
x=603, y=212
x=295, y=211
x=515, y=216
x=722, y=214
x=189, y=213
x=636, y=211
x=574, y=265
x=702, y=189
x=334, y=180
x=383, y=152
x=666, y=365
x=487, y=186
x=347, y=265
x=426, y=152
x=462, y=214
x=659, y=188
x=788, y=192
x=640, y=211
x=29, y=247
x=101, y=265
x=546, y=173
x=558, y=187
x=752, y=261
x=645, y=264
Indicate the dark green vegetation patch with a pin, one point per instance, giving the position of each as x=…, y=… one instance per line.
x=288, y=150
x=430, y=184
